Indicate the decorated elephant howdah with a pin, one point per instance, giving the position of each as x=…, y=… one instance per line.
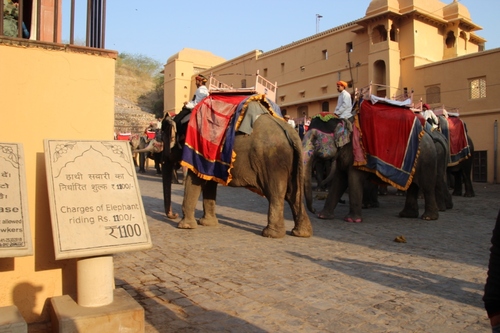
x=390, y=144
x=243, y=141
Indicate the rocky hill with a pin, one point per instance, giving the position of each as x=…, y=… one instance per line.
x=134, y=96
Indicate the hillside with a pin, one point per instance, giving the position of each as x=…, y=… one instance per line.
x=137, y=93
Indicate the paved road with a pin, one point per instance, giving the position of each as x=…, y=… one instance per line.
x=346, y=278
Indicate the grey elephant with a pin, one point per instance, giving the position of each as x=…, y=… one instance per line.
x=267, y=160
x=347, y=176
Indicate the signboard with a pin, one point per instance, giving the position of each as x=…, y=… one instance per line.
x=15, y=232
x=95, y=200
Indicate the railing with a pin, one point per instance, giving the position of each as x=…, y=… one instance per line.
x=43, y=20
x=264, y=86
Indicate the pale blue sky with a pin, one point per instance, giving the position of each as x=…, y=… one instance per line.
x=229, y=28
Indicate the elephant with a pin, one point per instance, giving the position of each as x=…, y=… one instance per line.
x=443, y=196
x=458, y=171
x=346, y=176
x=268, y=161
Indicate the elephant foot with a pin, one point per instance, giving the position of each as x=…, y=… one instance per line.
x=172, y=216
x=209, y=221
x=408, y=213
x=430, y=216
x=274, y=233
x=325, y=215
x=351, y=219
x=457, y=193
x=371, y=205
x=184, y=224
x=469, y=195
x=302, y=232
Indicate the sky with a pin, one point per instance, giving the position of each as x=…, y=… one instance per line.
x=229, y=28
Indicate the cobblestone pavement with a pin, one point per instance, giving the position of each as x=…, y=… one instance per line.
x=346, y=278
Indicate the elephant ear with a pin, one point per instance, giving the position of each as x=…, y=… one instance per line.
x=342, y=134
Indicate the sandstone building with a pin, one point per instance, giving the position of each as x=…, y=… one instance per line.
x=429, y=47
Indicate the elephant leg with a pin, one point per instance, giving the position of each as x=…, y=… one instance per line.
x=431, y=211
x=275, y=217
x=469, y=190
x=209, y=202
x=142, y=162
x=339, y=185
x=457, y=183
x=411, y=203
x=356, y=179
x=192, y=191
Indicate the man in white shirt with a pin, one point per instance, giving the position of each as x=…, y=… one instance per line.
x=201, y=92
x=290, y=121
x=344, y=103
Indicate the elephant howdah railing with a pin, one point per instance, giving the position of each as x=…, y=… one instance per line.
x=262, y=86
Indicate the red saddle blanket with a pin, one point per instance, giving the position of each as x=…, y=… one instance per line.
x=455, y=131
x=390, y=137
x=208, y=151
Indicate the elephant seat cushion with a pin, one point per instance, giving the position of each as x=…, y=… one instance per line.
x=208, y=150
x=456, y=133
x=381, y=125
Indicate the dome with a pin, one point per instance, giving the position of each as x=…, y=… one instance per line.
x=380, y=6
x=455, y=10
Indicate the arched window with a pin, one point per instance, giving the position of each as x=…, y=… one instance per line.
x=379, y=34
x=379, y=72
x=450, y=39
x=393, y=33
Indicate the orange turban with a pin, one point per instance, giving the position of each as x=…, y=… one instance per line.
x=342, y=83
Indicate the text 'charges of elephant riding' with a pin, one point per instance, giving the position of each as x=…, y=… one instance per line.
x=118, y=218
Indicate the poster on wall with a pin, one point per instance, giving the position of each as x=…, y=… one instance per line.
x=15, y=230
x=95, y=201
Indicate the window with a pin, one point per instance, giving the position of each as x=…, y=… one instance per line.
x=433, y=95
x=265, y=72
x=450, y=40
x=348, y=47
x=244, y=83
x=393, y=33
x=282, y=67
x=379, y=34
x=477, y=88
x=325, y=107
x=325, y=54
x=479, y=173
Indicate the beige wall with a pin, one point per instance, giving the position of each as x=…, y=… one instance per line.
x=57, y=93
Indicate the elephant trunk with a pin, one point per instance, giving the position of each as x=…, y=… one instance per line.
x=330, y=175
x=153, y=147
x=308, y=161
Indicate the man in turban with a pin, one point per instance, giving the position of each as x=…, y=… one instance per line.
x=344, y=102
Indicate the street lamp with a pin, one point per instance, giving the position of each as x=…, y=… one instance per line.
x=317, y=22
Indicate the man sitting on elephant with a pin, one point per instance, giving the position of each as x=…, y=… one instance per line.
x=344, y=103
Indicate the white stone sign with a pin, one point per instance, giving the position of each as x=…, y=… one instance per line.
x=95, y=200
x=15, y=232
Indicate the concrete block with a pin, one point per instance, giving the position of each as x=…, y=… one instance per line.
x=11, y=320
x=124, y=314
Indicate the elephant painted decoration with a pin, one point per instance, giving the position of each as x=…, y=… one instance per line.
x=331, y=138
x=254, y=148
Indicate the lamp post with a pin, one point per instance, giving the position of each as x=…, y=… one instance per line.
x=317, y=22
